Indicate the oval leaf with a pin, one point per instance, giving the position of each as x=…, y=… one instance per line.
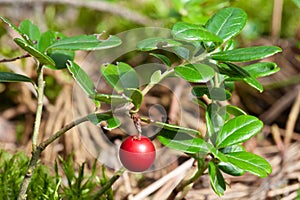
x=261, y=69
x=41, y=57
x=136, y=97
x=230, y=169
x=216, y=179
x=85, y=42
x=31, y=30
x=156, y=43
x=219, y=94
x=162, y=58
x=113, y=99
x=120, y=76
x=111, y=121
x=249, y=162
x=81, y=78
x=238, y=130
x=12, y=77
x=183, y=142
x=246, y=54
x=227, y=23
x=193, y=32
x=197, y=73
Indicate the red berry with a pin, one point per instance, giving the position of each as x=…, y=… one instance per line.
x=137, y=154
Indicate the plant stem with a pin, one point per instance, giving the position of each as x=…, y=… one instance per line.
x=109, y=183
x=36, y=153
x=15, y=58
x=39, y=110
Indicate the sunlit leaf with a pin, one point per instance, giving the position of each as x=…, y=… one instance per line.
x=12, y=77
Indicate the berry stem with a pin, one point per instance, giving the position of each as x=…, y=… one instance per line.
x=137, y=123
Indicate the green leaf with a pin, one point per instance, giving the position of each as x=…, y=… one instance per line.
x=81, y=78
x=97, y=118
x=249, y=162
x=31, y=30
x=227, y=23
x=261, y=69
x=113, y=99
x=162, y=58
x=155, y=77
x=181, y=141
x=192, y=32
x=182, y=52
x=297, y=3
x=197, y=73
x=237, y=73
x=219, y=94
x=136, y=97
x=236, y=111
x=48, y=38
x=120, y=76
x=238, y=130
x=11, y=25
x=216, y=179
x=41, y=57
x=85, y=42
x=246, y=54
x=61, y=58
x=12, y=77
x=156, y=43
x=230, y=169
x=233, y=148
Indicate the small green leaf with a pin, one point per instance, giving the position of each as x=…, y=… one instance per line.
x=12, y=77
x=230, y=169
x=233, y=148
x=61, y=58
x=155, y=77
x=249, y=162
x=48, y=38
x=41, y=57
x=136, y=97
x=237, y=73
x=162, y=58
x=216, y=179
x=261, y=69
x=219, y=94
x=238, y=130
x=120, y=76
x=182, y=52
x=31, y=30
x=11, y=25
x=183, y=142
x=192, y=32
x=197, y=73
x=97, y=118
x=85, y=42
x=113, y=99
x=236, y=111
x=246, y=54
x=156, y=43
x=81, y=78
x=227, y=23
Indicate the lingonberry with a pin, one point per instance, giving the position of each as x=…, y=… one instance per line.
x=137, y=154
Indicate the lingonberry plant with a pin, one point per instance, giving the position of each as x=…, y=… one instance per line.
x=209, y=61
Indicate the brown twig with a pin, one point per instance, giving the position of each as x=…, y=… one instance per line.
x=276, y=19
x=15, y=58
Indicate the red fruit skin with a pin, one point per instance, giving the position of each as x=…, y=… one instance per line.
x=137, y=155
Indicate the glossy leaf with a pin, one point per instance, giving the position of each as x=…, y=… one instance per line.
x=182, y=52
x=175, y=128
x=233, y=148
x=12, y=77
x=238, y=130
x=81, y=78
x=120, y=76
x=135, y=95
x=236, y=111
x=112, y=122
x=230, y=169
x=41, y=57
x=197, y=73
x=11, y=25
x=261, y=69
x=155, y=77
x=31, y=30
x=113, y=99
x=61, y=58
x=219, y=94
x=85, y=42
x=217, y=181
x=192, y=32
x=246, y=54
x=162, y=58
x=156, y=43
x=249, y=162
x=237, y=73
x=183, y=142
x=227, y=23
